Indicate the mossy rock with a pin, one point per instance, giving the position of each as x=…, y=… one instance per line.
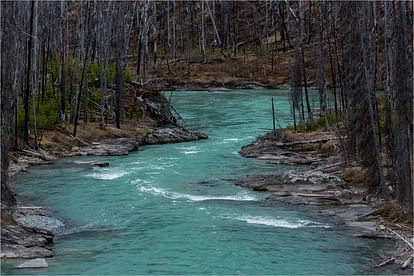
x=354, y=175
x=327, y=148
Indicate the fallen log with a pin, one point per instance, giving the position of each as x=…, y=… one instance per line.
x=322, y=140
x=402, y=238
x=31, y=153
x=71, y=136
x=407, y=263
x=386, y=262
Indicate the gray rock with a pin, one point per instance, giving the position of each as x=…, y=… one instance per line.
x=20, y=251
x=35, y=263
x=100, y=164
x=216, y=89
x=41, y=222
x=172, y=135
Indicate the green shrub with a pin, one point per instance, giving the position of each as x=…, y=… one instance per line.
x=318, y=123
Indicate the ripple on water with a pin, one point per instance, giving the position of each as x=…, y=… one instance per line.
x=106, y=175
x=242, y=196
x=279, y=222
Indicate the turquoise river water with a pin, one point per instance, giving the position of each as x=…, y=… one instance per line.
x=174, y=209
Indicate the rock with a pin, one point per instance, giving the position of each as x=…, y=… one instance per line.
x=327, y=148
x=100, y=164
x=304, y=199
x=366, y=227
x=20, y=251
x=25, y=236
x=41, y=223
x=217, y=89
x=35, y=263
x=313, y=180
x=172, y=135
x=75, y=148
x=114, y=147
x=354, y=175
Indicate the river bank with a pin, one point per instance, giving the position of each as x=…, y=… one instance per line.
x=29, y=231
x=174, y=194
x=329, y=186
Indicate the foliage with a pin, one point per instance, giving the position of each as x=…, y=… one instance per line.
x=320, y=123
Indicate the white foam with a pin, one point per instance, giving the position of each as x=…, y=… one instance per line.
x=174, y=195
x=187, y=147
x=238, y=139
x=191, y=152
x=280, y=222
x=83, y=162
x=107, y=175
x=152, y=167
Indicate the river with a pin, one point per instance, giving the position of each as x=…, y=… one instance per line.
x=173, y=209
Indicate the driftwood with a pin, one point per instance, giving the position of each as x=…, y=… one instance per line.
x=71, y=136
x=402, y=238
x=41, y=154
x=31, y=153
x=386, y=262
x=322, y=140
x=406, y=263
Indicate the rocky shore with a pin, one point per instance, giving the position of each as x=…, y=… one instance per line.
x=324, y=183
x=212, y=85
x=28, y=233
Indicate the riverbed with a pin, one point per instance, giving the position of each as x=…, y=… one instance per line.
x=174, y=209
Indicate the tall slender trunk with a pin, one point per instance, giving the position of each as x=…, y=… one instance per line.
x=62, y=61
x=367, y=45
x=28, y=74
x=302, y=53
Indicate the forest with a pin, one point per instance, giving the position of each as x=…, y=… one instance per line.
x=67, y=66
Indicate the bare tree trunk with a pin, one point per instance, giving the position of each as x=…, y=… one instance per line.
x=62, y=60
x=367, y=45
x=8, y=73
x=218, y=44
x=85, y=63
x=321, y=69
x=302, y=52
x=28, y=79
x=203, y=38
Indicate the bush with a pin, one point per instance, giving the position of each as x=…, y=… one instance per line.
x=318, y=123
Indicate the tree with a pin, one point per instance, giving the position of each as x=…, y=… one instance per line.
x=399, y=98
x=28, y=74
x=372, y=153
x=321, y=66
x=9, y=44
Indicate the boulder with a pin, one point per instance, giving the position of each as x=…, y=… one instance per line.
x=41, y=223
x=100, y=164
x=172, y=135
x=327, y=148
x=35, y=263
x=20, y=251
x=354, y=175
